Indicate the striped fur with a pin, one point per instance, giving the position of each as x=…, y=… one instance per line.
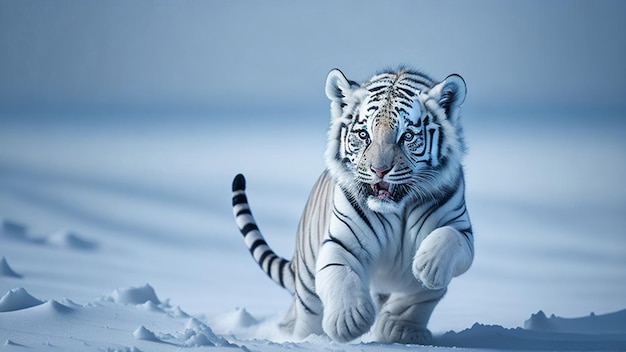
x=385, y=228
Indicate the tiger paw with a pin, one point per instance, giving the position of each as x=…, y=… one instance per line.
x=436, y=259
x=346, y=321
x=393, y=330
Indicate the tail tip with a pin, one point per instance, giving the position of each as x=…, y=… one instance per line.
x=239, y=183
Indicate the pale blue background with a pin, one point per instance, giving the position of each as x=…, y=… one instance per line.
x=176, y=55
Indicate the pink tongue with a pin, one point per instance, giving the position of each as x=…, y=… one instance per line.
x=383, y=190
x=382, y=194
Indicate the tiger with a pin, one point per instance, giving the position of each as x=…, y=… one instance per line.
x=385, y=228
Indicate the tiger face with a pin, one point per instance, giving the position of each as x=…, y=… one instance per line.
x=395, y=139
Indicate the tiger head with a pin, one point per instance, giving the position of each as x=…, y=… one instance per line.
x=395, y=139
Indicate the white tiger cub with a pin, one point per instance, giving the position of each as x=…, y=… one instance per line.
x=385, y=228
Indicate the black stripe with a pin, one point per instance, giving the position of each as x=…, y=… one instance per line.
x=265, y=254
x=422, y=219
x=255, y=244
x=243, y=211
x=306, y=308
x=358, y=209
x=306, y=287
x=470, y=241
x=280, y=272
x=383, y=219
x=249, y=227
x=338, y=242
x=440, y=142
x=269, y=266
x=405, y=103
x=239, y=199
x=466, y=232
x=308, y=272
x=339, y=216
x=431, y=135
x=376, y=88
x=329, y=265
x=312, y=248
x=406, y=91
x=451, y=221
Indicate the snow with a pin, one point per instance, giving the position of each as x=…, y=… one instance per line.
x=17, y=299
x=135, y=295
x=6, y=270
x=117, y=235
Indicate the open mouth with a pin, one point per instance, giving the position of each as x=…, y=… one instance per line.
x=381, y=190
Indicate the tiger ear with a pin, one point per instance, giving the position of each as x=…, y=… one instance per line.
x=450, y=94
x=339, y=90
x=337, y=85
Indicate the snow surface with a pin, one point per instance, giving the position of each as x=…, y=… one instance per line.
x=117, y=234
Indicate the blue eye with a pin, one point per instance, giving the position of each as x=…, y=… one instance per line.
x=363, y=135
x=408, y=136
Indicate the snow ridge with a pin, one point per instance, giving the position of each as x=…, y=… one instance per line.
x=6, y=270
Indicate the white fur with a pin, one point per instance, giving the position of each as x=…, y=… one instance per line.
x=385, y=207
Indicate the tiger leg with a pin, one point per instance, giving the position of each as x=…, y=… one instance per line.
x=403, y=317
x=305, y=314
x=348, y=308
x=300, y=322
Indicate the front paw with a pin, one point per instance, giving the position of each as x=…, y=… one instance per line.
x=431, y=272
x=436, y=259
x=345, y=321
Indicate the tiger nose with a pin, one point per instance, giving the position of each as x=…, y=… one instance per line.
x=381, y=172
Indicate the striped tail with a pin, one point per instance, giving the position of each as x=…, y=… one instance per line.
x=277, y=268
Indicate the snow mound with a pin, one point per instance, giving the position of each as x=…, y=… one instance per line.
x=16, y=299
x=12, y=343
x=194, y=324
x=55, y=307
x=612, y=323
x=142, y=333
x=150, y=306
x=244, y=326
x=6, y=270
x=69, y=303
x=72, y=240
x=17, y=231
x=237, y=322
x=12, y=228
x=197, y=334
x=198, y=340
x=135, y=295
x=179, y=313
x=239, y=318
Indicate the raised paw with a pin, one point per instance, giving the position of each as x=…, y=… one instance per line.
x=437, y=259
x=349, y=320
x=433, y=272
